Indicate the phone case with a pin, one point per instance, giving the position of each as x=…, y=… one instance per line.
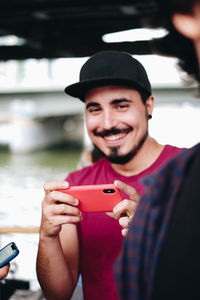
x=7, y=253
x=95, y=198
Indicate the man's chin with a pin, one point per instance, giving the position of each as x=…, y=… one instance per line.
x=120, y=159
x=114, y=157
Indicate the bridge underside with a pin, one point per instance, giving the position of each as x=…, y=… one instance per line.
x=64, y=28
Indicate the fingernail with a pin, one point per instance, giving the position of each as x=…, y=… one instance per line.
x=65, y=184
x=76, y=202
x=116, y=182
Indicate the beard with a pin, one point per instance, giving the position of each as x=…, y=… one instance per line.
x=115, y=157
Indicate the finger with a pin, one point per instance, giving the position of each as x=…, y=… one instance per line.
x=110, y=214
x=65, y=219
x=127, y=189
x=124, y=222
x=124, y=208
x=63, y=209
x=56, y=197
x=4, y=271
x=60, y=197
x=55, y=185
x=124, y=232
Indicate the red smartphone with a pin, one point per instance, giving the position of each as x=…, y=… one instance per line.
x=95, y=198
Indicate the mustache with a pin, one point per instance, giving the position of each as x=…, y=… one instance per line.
x=111, y=131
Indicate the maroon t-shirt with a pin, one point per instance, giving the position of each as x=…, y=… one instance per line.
x=100, y=238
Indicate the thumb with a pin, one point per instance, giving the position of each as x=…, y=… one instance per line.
x=128, y=190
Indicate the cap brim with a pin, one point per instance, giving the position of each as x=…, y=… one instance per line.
x=79, y=89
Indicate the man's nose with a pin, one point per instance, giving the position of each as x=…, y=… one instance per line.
x=109, y=120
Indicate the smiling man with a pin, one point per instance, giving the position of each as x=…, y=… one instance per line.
x=119, y=103
x=125, y=120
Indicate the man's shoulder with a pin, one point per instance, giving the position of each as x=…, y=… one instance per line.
x=171, y=151
x=168, y=153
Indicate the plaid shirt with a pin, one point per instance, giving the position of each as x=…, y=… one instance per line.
x=135, y=268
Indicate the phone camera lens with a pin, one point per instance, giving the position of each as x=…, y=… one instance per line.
x=13, y=247
x=109, y=191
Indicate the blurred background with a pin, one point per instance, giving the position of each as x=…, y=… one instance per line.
x=43, y=45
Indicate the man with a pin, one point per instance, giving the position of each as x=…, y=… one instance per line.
x=160, y=258
x=4, y=271
x=118, y=103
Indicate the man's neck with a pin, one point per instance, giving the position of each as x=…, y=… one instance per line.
x=145, y=157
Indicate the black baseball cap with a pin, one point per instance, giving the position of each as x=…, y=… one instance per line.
x=110, y=68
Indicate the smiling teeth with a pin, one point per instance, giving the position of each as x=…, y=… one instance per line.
x=114, y=137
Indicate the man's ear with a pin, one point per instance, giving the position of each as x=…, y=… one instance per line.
x=188, y=24
x=150, y=104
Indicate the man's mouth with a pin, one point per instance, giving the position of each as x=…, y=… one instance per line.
x=115, y=137
x=113, y=134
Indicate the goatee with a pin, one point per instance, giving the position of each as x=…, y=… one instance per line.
x=115, y=158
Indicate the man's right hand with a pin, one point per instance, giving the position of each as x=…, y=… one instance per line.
x=57, y=209
x=58, y=252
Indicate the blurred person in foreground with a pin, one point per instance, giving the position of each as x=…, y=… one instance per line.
x=161, y=252
x=4, y=271
x=118, y=105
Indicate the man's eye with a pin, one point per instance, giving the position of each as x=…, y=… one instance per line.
x=94, y=109
x=122, y=106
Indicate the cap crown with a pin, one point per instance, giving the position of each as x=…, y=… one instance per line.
x=110, y=68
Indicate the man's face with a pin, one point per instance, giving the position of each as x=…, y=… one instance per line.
x=117, y=121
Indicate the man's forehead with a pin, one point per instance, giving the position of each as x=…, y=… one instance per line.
x=111, y=91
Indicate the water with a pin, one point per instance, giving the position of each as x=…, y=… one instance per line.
x=21, y=191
